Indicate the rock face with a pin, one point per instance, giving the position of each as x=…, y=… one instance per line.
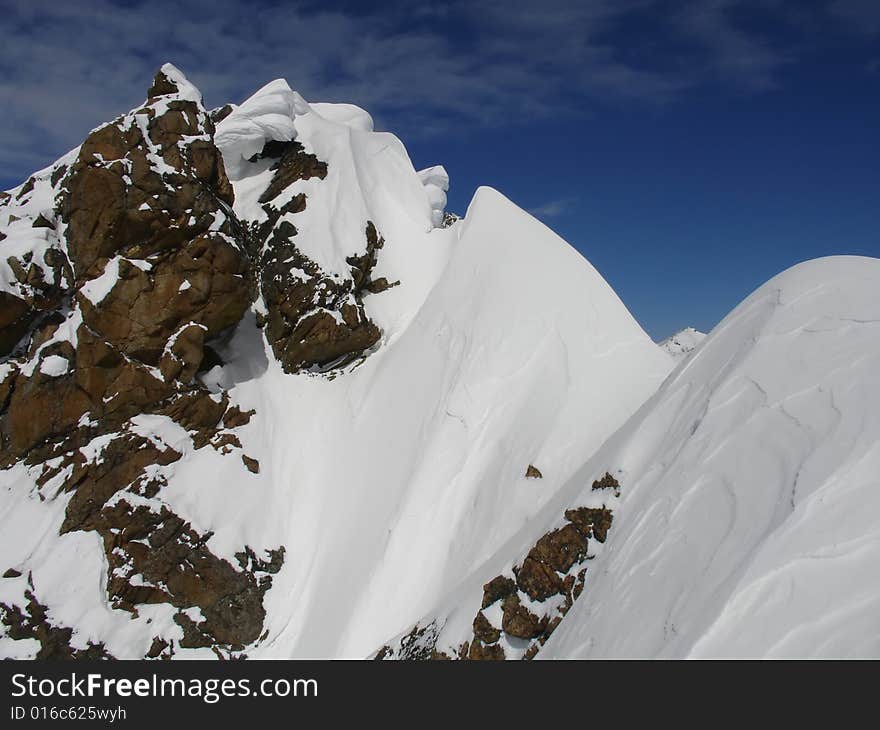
x=32, y=622
x=124, y=261
x=314, y=320
x=121, y=266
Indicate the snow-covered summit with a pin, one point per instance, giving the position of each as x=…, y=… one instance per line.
x=263, y=338
x=682, y=343
x=255, y=400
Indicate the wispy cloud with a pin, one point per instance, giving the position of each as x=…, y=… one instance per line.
x=66, y=67
x=860, y=16
x=552, y=208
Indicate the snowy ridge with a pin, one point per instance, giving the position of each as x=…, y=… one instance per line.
x=747, y=519
x=434, y=430
x=501, y=346
x=749, y=513
x=499, y=379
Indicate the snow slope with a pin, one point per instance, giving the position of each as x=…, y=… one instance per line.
x=390, y=484
x=682, y=343
x=387, y=485
x=749, y=523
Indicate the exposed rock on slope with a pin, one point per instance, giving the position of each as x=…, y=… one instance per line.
x=146, y=268
x=522, y=607
x=171, y=467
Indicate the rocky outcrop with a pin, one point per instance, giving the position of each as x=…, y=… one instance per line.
x=121, y=267
x=31, y=621
x=138, y=262
x=314, y=320
x=520, y=611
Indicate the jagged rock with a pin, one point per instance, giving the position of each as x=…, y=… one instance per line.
x=496, y=589
x=480, y=652
x=249, y=561
x=485, y=631
x=591, y=522
x=11, y=573
x=607, y=482
x=293, y=164
x=93, y=483
x=560, y=549
x=315, y=319
x=42, y=222
x=197, y=410
x=252, y=465
x=518, y=621
x=220, y=113
x=183, y=358
x=235, y=417
x=533, y=473
x=180, y=569
x=579, y=584
x=33, y=623
x=15, y=319
x=419, y=644
x=149, y=266
x=538, y=579
x=157, y=648
x=203, y=282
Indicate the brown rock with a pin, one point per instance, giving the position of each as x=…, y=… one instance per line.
x=183, y=359
x=496, y=589
x=591, y=522
x=15, y=319
x=579, y=584
x=235, y=417
x=518, y=621
x=158, y=646
x=485, y=631
x=252, y=465
x=539, y=580
x=560, y=549
x=607, y=482
x=533, y=473
x=480, y=652
x=33, y=623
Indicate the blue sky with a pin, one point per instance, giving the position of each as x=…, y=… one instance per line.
x=690, y=150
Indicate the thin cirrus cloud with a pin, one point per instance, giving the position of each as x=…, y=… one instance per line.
x=67, y=67
x=552, y=208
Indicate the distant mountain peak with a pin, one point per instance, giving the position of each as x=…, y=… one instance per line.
x=683, y=342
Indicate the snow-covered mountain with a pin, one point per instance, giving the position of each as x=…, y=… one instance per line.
x=260, y=395
x=682, y=343
x=741, y=514
x=263, y=343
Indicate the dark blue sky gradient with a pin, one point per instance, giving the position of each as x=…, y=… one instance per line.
x=690, y=150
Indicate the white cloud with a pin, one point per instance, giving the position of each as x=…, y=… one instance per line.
x=66, y=67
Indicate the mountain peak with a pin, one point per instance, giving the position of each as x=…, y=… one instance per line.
x=682, y=343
